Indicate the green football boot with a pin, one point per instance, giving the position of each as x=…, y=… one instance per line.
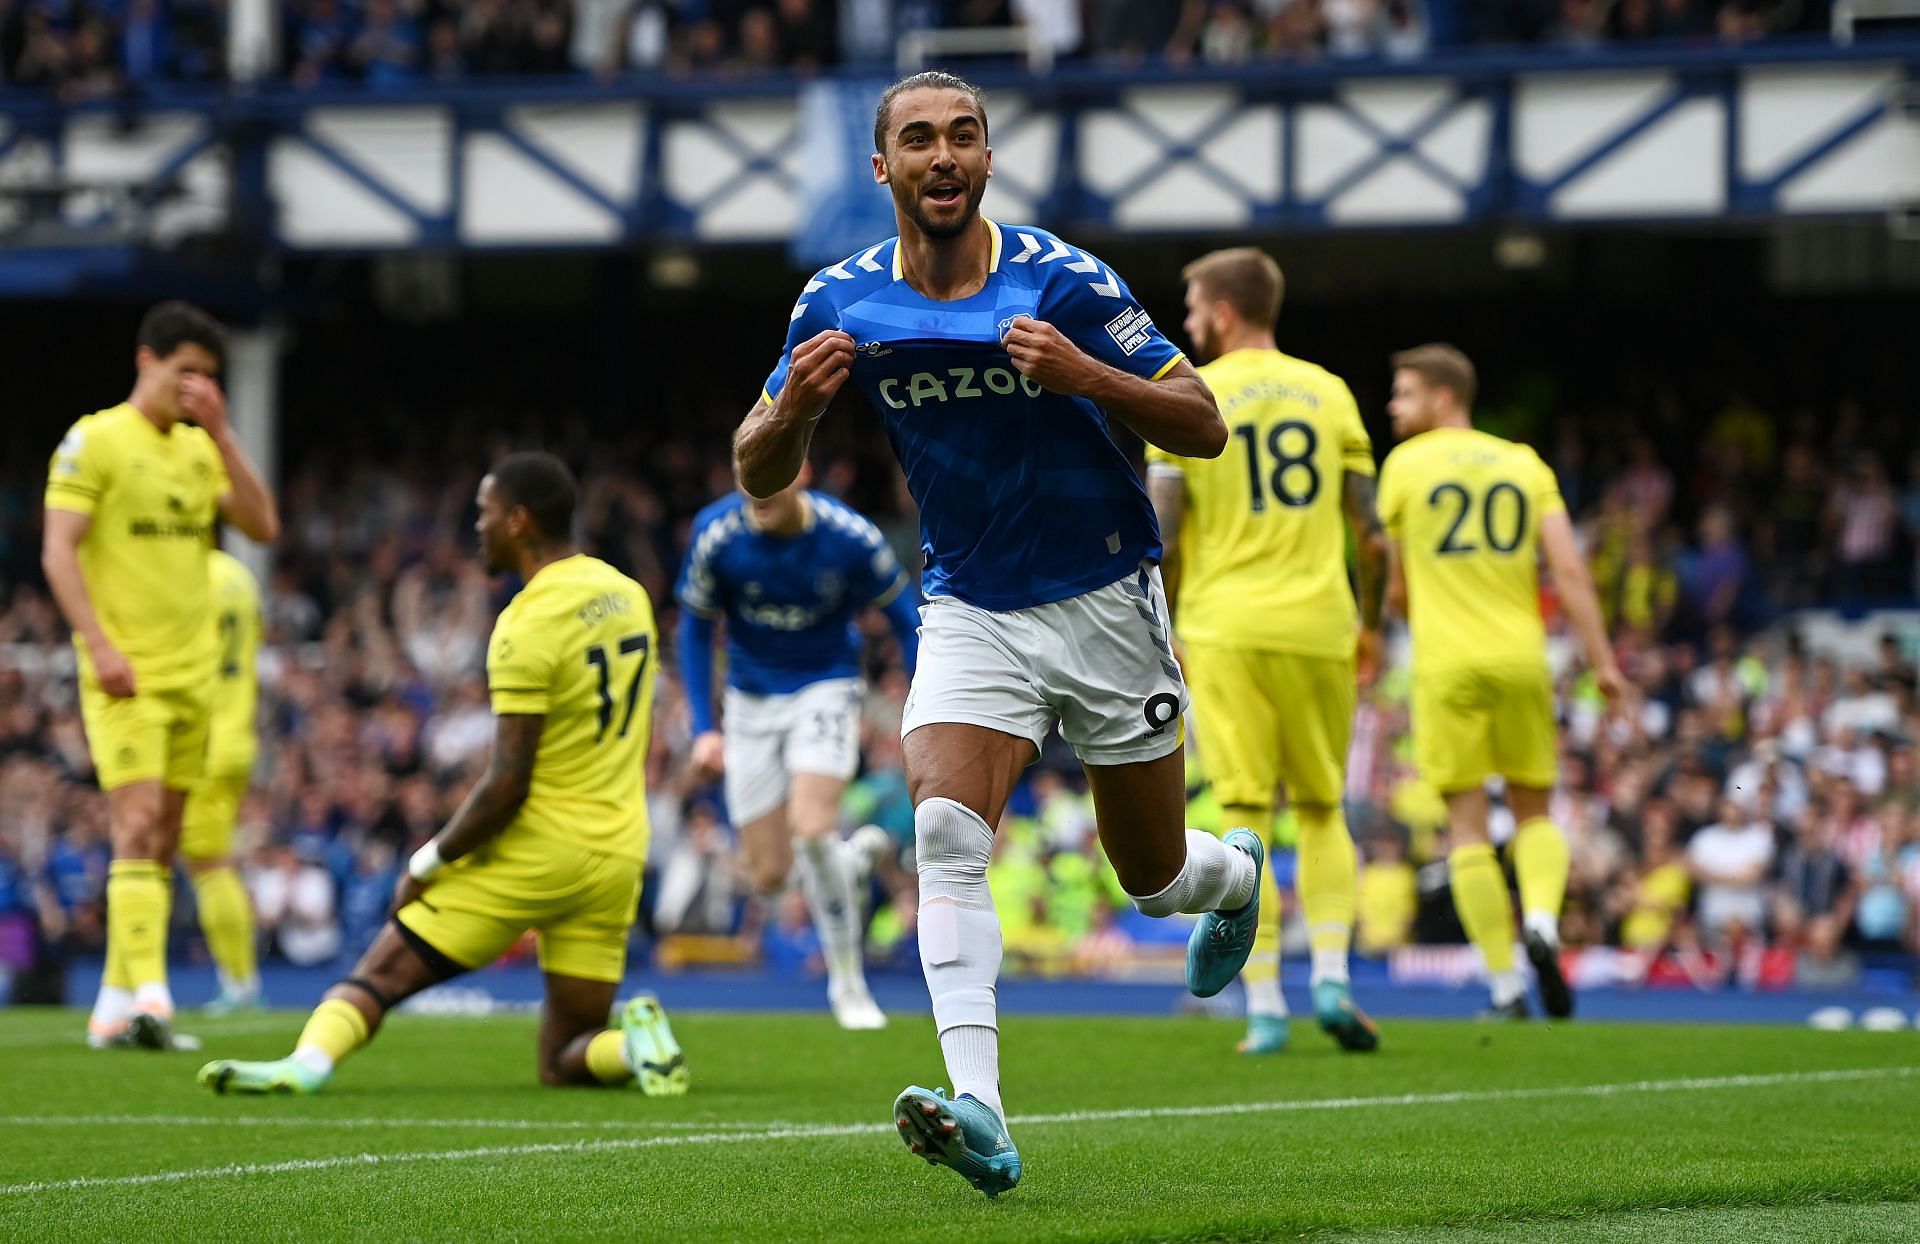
x=282, y=1075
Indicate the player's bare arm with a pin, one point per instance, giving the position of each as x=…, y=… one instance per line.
x=1370, y=570
x=1168, y=492
x=249, y=504
x=1575, y=587
x=1396, y=578
x=492, y=804
x=60, y=560
x=1176, y=412
x=772, y=442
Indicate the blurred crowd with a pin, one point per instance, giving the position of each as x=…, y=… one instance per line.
x=103, y=48
x=1750, y=810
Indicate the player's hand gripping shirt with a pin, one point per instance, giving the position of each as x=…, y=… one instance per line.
x=789, y=601
x=577, y=646
x=232, y=740
x=1263, y=561
x=1466, y=507
x=1024, y=498
x=153, y=497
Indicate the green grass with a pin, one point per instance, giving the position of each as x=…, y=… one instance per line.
x=1779, y=1156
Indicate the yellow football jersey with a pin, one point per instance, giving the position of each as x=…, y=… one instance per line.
x=1465, y=508
x=232, y=738
x=1263, y=545
x=153, y=497
x=578, y=647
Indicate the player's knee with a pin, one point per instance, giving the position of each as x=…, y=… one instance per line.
x=952, y=843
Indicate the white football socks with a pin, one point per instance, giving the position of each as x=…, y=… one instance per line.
x=1330, y=965
x=1215, y=877
x=112, y=1006
x=827, y=880
x=1264, y=997
x=960, y=944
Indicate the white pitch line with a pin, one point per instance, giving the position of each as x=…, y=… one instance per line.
x=826, y=1131
x=297, y=1121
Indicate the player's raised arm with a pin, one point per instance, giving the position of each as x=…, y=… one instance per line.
x=1575, y=587
x=1176, y=411
x=772, y=442
x=247, y=503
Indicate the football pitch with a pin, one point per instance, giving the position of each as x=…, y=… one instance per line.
x=1130, y=1129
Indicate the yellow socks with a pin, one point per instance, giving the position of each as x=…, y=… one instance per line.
x=607, y=1058
x=138, y=902
x=226, y=917
x=334, y=1030
x=1480, y=896
x=1326, y=884
x=1540, y=864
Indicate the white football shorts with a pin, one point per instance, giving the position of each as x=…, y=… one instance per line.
x=1099, y=664
x=769, y=738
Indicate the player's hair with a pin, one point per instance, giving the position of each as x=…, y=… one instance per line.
x=541, y=483
x=1245, y=278
x=1442, y=366
x=934, y=79
x=173, y=324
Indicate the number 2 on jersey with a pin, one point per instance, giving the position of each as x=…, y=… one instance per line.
x=1455, y=542
x=597, y=657
x=1283, y=462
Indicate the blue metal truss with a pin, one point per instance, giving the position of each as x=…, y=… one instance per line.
x=250, y=126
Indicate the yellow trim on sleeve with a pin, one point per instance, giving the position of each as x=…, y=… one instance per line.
x=891, y=594
x=1172, y=363
x=898, y=272
x=765, y=396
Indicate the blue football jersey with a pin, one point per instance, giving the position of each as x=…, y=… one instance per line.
x=1024, y=498
x=789, y=601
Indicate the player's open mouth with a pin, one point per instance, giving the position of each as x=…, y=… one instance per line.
x=947, y=192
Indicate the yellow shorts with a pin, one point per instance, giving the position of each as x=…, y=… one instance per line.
x=213, y=806
x=1266, y=718
x=154, y=736
x=581, y=902
x=1471, y=723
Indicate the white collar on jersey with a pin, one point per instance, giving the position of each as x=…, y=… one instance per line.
x=993, y=257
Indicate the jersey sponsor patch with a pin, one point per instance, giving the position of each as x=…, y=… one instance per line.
x=1131, y=329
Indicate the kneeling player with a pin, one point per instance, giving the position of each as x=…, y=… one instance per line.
x=552, y=838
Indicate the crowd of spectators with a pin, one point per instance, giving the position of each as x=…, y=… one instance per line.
x=1752, y=806
x=104, y=48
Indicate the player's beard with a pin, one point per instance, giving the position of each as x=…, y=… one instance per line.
x=498, y=557
x=913, y=203
x=1204, y=350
